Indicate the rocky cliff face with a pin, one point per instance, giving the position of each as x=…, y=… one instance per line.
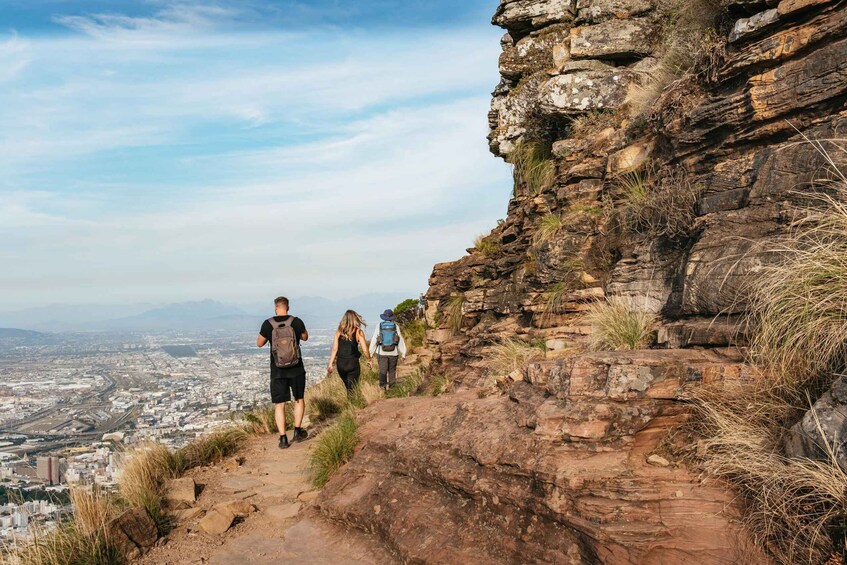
x=727, y=131
x=658, y=149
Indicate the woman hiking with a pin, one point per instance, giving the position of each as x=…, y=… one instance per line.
x=347, y=347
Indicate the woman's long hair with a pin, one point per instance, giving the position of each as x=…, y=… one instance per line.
x=351, y=322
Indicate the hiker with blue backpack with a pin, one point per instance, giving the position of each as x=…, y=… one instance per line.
x=388, y=345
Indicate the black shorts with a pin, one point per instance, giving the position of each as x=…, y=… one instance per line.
x=282, y=389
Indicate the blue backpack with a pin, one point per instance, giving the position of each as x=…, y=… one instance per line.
x=388, y=337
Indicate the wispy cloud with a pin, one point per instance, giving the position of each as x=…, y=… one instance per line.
x=169, y=157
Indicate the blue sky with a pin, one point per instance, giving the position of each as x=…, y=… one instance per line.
x=165, y=151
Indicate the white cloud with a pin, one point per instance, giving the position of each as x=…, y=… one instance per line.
x=333, y=163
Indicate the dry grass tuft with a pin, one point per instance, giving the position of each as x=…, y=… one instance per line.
x=664, y=207
x=145, y=471
x=454, y=311
x=534, y=167
x=689, y=35
x=486, y=245
x=794, y=505
x=326, y=399
x=514, y=354
x=799, y=304
x=440, y=384
x=548, y=228
x=617, y=324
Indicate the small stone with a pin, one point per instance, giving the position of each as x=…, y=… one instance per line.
x=241, y=508
x=217, y=521
x=678, y=494
x=308, y=497
x=377, y=509
x=181, y=492
x=658, y=461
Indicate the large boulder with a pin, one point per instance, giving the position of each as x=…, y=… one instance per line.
x=584, y=86
x=614, y=39
x=181, y=493
x=133, y=532
x=521, y=17
x=822, y=432
x=217, y=520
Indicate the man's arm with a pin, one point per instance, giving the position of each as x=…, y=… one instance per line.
x=304, y=334
x=261, y=341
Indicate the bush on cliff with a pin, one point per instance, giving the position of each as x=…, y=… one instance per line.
x=486, y=245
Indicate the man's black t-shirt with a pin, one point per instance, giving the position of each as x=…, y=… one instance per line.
x=288, y=372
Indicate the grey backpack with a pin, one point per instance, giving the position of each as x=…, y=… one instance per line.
x=284, y=345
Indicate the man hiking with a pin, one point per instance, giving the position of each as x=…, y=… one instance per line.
x=388, y=345
x=288, y=374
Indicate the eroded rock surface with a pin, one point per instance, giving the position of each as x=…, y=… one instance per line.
x=561, y=460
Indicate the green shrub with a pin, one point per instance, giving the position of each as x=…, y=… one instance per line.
x=534, y=167
x=414, y=333
x=333, y=448
x=617, y=325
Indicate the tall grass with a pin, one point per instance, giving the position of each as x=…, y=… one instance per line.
x=406, y=387
x=688, y=34
x=617, y=324
x=799, y=304
x=262, y=419
x=534, y=167
x=333, y=448
x=549, y=227
x=326, y=399
x=453, y=312
x=798, y=315
x=486, y=245
x=514, y=354
x=795, y=506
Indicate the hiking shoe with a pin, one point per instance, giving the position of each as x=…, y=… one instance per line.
x=283, y=442
x=300, y=435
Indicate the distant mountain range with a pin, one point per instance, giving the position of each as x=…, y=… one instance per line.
x=318, y=313
x=15, y=336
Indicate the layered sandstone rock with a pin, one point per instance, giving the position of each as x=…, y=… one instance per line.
x=549, y=463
